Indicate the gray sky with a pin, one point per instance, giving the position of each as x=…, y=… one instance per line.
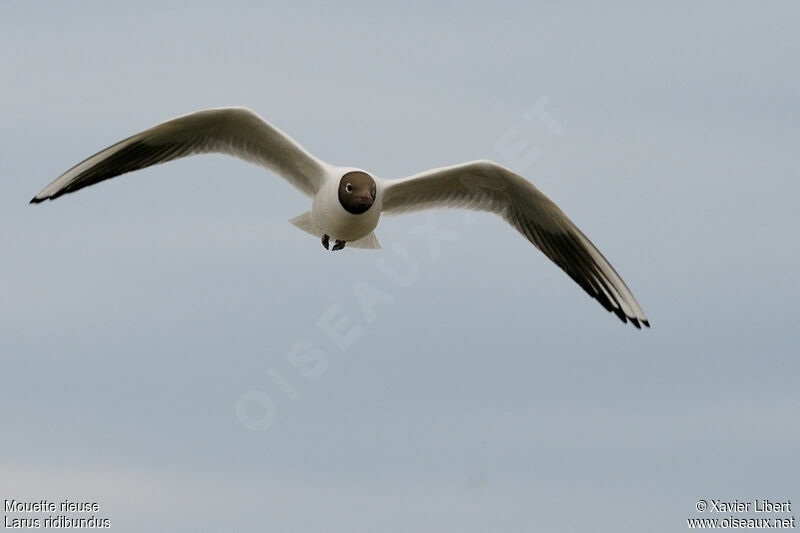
x=484, y=393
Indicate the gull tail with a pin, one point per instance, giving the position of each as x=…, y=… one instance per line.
x=306, y=223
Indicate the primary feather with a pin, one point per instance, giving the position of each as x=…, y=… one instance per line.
x=234, y=131
x=487, y=186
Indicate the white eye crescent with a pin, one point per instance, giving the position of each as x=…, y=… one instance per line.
x=348, y=188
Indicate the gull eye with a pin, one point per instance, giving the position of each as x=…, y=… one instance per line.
x=348, y=188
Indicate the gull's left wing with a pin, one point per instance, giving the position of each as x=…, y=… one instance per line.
x=487, y=186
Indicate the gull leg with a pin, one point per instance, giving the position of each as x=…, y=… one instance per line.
x=325, y=240
x=339, y=245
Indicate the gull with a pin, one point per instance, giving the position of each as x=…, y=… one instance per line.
x=346, y=202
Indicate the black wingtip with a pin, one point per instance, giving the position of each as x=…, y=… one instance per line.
x=646, y=323
x=635, y=322
x=35, y=200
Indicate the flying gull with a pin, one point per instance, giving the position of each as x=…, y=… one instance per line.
x=347, y=202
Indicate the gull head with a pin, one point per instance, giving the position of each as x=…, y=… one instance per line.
x=357, y=192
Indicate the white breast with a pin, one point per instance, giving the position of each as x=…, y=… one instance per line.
x=333, y=220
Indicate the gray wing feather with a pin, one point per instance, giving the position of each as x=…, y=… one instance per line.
x=235, y=131
x=487, y=186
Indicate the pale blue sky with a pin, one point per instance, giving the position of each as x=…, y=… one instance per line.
x=488, y=393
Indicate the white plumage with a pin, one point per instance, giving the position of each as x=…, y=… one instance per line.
x=477, y=185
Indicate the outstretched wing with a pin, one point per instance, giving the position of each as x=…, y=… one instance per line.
x=487, y=186
x=235, y=131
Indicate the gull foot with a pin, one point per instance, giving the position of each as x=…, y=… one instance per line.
x=339, y=245
x=325, y=241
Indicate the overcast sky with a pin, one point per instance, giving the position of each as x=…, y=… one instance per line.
x=153, y=327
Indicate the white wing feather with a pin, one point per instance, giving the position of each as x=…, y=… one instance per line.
x=233, y=130
x=487, y=186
